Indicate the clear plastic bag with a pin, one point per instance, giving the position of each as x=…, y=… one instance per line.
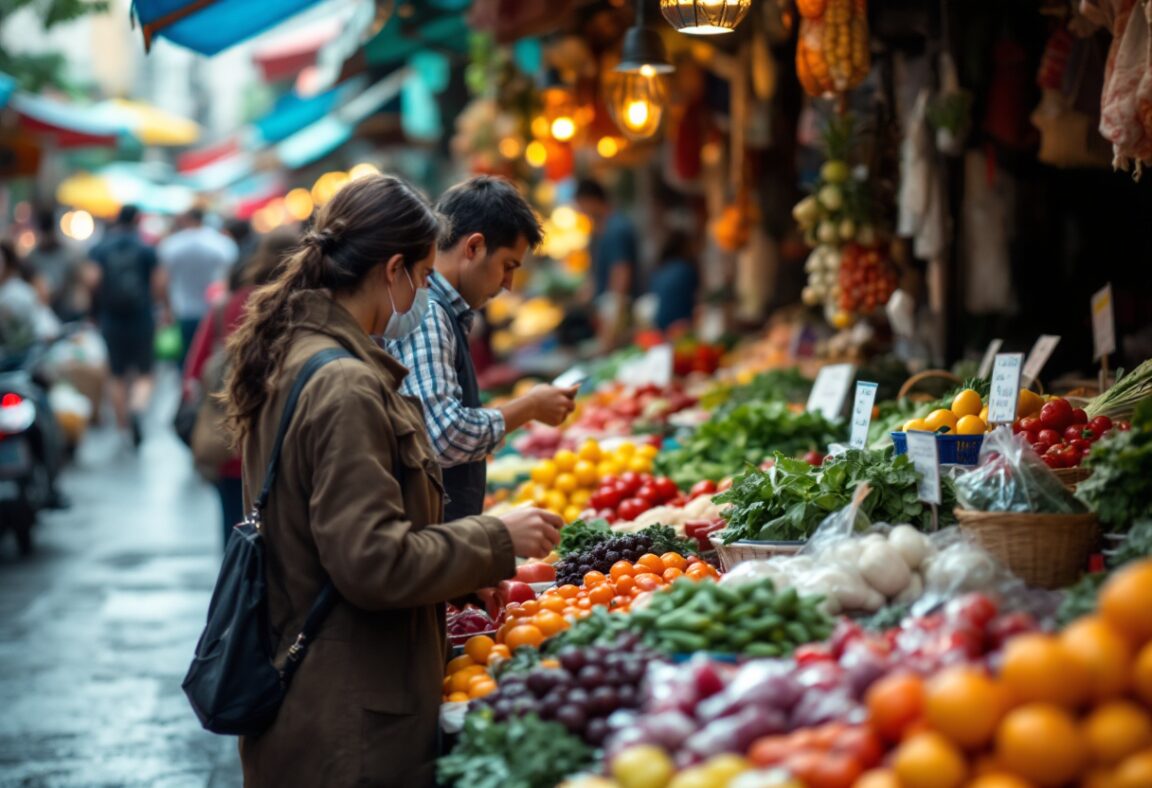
x=1012, y=478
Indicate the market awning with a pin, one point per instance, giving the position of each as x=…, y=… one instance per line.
x=211, y=26
x=254, y=192
x=19, y=154
x=292, y=112
x=7, y=88
x=124, y=183
x=190, y=161
x=399, y=40
x=287, y=55
x=68, y=125
x=151, y=125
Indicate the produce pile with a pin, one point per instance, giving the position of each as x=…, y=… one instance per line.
x=564, y=484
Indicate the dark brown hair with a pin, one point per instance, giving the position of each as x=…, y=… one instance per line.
x=270, y=255
x=491, y=206
x=368, y=222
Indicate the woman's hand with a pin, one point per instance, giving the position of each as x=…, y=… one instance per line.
x=534, y=532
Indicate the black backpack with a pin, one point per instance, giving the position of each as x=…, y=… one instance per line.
x=124, y=286
x=233, y=685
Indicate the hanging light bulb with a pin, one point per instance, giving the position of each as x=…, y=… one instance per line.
x=563, y=128
x=705, y=17
x=636, y=102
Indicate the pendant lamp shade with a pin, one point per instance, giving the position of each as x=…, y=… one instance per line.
x=705, y=17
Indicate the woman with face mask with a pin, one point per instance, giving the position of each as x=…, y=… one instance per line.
x=358, y=499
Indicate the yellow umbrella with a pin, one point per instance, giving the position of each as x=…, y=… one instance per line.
x=90, y=193
x=152, y=125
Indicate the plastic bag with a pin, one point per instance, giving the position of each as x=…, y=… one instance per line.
x=1011, y=477
x=957, y=566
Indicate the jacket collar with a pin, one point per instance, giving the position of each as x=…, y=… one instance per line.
x=452, y=299
x=321, y=314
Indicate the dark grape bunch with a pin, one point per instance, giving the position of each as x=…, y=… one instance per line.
x=590, y=684
x=600, y=557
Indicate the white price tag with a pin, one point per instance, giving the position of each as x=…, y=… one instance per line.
x=1004, y=395
x=862, y=414
x=1103, y=323
x=831, y=389
x=989, y=357
x=922, y=450
x=654, y=367
x=1039, y=356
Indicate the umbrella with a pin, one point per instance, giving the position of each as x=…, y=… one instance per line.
x=151, y=125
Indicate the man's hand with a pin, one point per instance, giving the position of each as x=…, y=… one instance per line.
x=552, y=405
x=534, y=532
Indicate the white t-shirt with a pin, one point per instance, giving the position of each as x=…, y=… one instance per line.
x=195, y=258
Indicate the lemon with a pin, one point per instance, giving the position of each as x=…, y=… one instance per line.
x=941, y=418
x=918, y=425
x=966, y=403
x=984, y=414
x=971, y=425
x=1029, y=403
x=544, y=472
x=565, y=460
x=566, y=483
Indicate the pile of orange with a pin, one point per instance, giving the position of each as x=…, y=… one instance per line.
x=531, y=623
x=1072, y=708
x=466, y=677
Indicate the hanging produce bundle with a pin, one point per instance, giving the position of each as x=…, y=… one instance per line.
x=832, y=51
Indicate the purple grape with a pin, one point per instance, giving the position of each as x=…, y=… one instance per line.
x=603, y=701
x=596, y=732
x=591, y=677
x=577, y=696
x=572, y=659
x=573, y=718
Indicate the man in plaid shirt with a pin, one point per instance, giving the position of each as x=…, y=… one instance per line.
x=491, y=229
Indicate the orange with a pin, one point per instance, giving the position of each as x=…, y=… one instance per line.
x=671, y=574
x=928, y=760
x=674, y=561
x=895, y=702
x=594, y=579
x=516, y=610
x=966, y=403
x=625, y=584
x=1126, y=599
x=461, y=662
x=1142, y=675
x=553, y=602
x=479, y=647
x=462, y=678
x=524, y=635
x=652, y=563
x=481, y=686
x=965, y=705
x=998, y=780
x=877, y=778
x=1116, y=730
x=584, y=603
x=1103, y=652
x=602, y=594
x=622, y=569
x=1041, y=742
x=458, y=697
x=1036, y=667
x=549, y=622
x=568, y=591
x=531, y=607
x=500, y=651
x=1134, y=772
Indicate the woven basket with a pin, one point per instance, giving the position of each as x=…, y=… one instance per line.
x=738, y=552
x=1043, y=550
x=1071, y=477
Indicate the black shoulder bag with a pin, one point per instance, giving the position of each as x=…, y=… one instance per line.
x=233, y=685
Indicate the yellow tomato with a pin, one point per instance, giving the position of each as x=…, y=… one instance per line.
x=971, y=425
x=590, y=451
x=566, y=483
x=966, y=403
x=586, y=473
x=524, y=492
x=580, y=498
x=1028, y=404
x=648, y=451
x=984, y=414
x=608, y=468
x=572, y=513
x=625, y=450
x=565, y=460
x=540, y=496
x=916, y=424
x=941, y=418
x=556, y=501
x=544, y=472
x=640, y=465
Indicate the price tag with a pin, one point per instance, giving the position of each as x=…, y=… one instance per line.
x=989, y=356
x=654, y=367
x=923, y=452
x=1039, y=356
x=830, y=390
x=862, y=414
x=1004, y=394
x=1103, y=323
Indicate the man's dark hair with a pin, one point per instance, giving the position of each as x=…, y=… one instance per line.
x=128, y=216
x=490, y=206
x=590, y=189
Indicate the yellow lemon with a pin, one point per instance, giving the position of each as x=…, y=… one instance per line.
x=971, y=425
x=565, y=460
x=918, y=425
x=1028, y=404
x=941, y=418
x=966, y=403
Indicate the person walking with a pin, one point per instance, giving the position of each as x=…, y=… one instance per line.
x=194, y=258
x=58, y=271
x=202, y=364
x=492, y=228
x=615, y=263
x=358, y=500
x=128, y=283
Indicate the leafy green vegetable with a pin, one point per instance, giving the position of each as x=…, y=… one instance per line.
x=666, y=540
x=1124, y=397
x=521, y=661
x=578, y=536
x=746, y=435
x=1121, y=464
x=523, y=752
x=783, y=385
x=789, y=501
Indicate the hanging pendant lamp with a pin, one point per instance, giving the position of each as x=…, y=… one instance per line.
x=705, y=17
x=636, y=93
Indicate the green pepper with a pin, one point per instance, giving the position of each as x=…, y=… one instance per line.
x=683, y=642
x=787, y=601
x=798, y=632
x=764, y=650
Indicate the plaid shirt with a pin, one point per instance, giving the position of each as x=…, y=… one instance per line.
x=458, y=434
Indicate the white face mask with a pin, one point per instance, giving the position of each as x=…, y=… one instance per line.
x=401, y=324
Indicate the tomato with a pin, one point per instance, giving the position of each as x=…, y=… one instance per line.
x=1016, y=428
x=629, y=482
x=515, y=591
x=1055, y=457
x=605, y=498
x=1041, y=448
x=861, y=743
x=975, y=610
x=1072, y=456
x=814, y=458
x=1052, y=462
x=632, y=508
x=666, y=489
x=1051, y=437
x=705, y=487
x=1080, y=443
x=1090, y=435
x=1056, y=414
x=1079, y=416
x=536, y=572
x=1100, y=424
x=1030, y=424
x=608, y=515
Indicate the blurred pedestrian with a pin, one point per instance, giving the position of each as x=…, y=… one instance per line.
x=615, y=263
x=204, y=364
x=247, y=241
x=58, y=271
x=491, y=229
x=674, y=282
x=194, y=258
x=128, y=283
x=357, y=500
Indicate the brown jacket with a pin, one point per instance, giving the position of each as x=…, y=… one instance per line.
x=358, y=499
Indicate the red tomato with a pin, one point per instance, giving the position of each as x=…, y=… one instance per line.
x=608, y=515
x=1041, y=448
x=1079, y=416
x=630, y=481
x=1030, y=424
x=665, y=488
x=1100, y=424
x=632, y=508
x=514, y=591
x=862, y=743
x=606, y=498
x=536, y=572
x=648, y=493
x=1016, y=428
x=1081, y=444
x=1056, y=414
x=1051, y=437
x=1075, y=432
x=705, y=487
x=1072, y=456
x=975, y=610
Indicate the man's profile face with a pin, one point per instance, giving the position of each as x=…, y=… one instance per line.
x=489, y=271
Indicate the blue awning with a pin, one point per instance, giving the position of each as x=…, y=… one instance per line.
x=397, y=42
x=292, y=113
x=7, y=88
x=211, y=26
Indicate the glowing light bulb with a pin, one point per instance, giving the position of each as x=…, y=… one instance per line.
x=563, y=128
x=636, y=114
x=298, y=203
x=607, y=147
x=510, y=147
x=536, y=154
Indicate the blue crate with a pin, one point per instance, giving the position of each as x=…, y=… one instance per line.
x=953, y=449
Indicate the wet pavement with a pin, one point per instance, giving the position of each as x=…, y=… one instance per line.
x=98, y=626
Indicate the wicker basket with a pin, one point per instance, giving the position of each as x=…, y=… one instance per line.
x=738, y=552
x=1071, y=477
x=1043, y=550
